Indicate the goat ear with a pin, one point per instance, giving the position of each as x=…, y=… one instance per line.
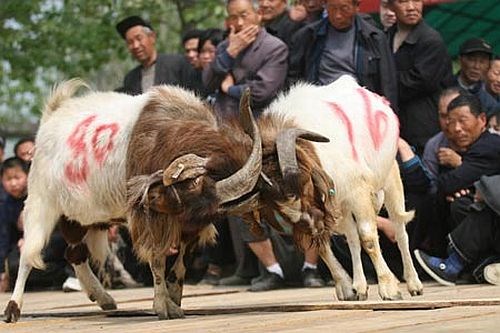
x=138, y=187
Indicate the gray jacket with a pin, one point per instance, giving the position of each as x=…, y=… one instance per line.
x=489, y=186
x=262, y=67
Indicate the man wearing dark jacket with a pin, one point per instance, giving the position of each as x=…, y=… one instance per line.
x=344, y=43
x=154, y=68
x=277, y=21
x=423, y=70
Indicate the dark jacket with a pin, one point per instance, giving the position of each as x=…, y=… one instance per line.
x=374, y=64
x=9, y=233
x=423, y=71
x=170, y=69
x=262, y=67
x=483, y=158
x=283, y=27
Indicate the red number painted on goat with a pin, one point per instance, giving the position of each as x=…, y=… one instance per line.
x=337, y=109
x=76, y=169
x=376, y=120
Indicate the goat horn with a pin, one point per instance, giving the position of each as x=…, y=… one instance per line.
x=185, y=167
x=287, y=158
x=244, y=180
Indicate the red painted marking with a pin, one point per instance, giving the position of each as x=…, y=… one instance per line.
x=104, y=133
x=337, y=109
x=76, y=170
x=376, y=120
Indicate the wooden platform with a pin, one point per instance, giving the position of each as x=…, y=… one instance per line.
x=463, y=308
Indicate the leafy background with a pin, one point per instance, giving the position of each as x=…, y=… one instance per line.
x=45, y=41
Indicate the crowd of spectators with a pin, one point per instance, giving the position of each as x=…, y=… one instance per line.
x=449, y=150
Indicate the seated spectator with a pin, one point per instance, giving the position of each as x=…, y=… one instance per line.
x=25, y=149
x=14, y=174
x=494, y=123
x=475, y=56
x=480, y=152
x=440, y=150
x=493, y=82
x=476, y=238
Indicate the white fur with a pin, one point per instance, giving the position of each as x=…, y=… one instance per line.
x=360, y=166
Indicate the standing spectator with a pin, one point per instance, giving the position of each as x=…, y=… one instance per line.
x=344, y=43
x=276, y=19
x=25, y=148
x=307, y=11
x=386, y=15
x=423, y=70
x=207, y=46
x=190, y=42
x=475, y=56
x=249, y=57
x=154, y=68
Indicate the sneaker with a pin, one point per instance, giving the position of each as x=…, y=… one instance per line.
x=436, y=268
x=492, y=274
x=312, y=279
x=234, y=280
x=270, y=281
x=71, y=284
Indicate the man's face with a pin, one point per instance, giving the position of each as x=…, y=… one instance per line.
x=341, y=13
x=387, y=16
x=141, y=44
x=474, y=66
x=408, y=12
x=241, y=14
x=465, y=126
x=269, y=9
x=443, y=112
x=14, y=181
x=312, y=6
x=493, y=77
x=191, y=51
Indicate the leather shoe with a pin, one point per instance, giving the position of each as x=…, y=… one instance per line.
x=270, y=281
x=312, y=279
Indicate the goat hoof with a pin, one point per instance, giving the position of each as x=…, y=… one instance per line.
x=175, y=312
x=108, y=306
x=419, y=292
x=92, y=298
x=396, y=297
x=362, y=296
x=12, y=312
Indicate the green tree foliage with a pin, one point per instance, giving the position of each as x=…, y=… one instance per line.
x=45, y=41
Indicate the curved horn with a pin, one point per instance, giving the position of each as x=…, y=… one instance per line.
x=244, y=180
x=287, y=158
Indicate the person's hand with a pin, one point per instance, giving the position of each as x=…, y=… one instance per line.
x=404, y=150
x=458, y=194
x=227, y=83
x=238, y=41
x=113, y=233
x=20, y=244
x=448, y=157
x=4, y=282
x=478, y=197
x=297, y=13
x=387, y=227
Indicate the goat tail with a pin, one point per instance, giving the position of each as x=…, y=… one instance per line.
x=60, y=93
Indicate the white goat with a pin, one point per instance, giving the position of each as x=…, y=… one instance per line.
x=360, y=158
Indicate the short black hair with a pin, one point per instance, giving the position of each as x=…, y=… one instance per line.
x=190, y=34
x=214, y=35
x=14, y=162
x=21, y=141
x=469, y=100
x=131, y=21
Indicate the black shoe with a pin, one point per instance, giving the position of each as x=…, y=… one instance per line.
x=312, y=279
x=436, y=268
x=234, y=280
x=270, y=281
